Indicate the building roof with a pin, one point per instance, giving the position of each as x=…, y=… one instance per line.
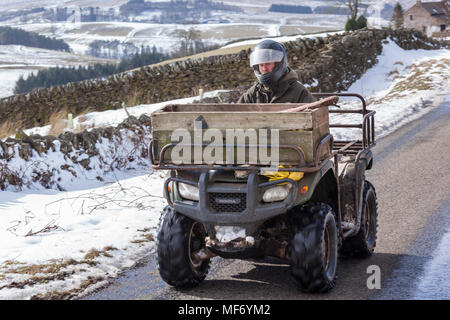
x=438, y=10
x=435, y=8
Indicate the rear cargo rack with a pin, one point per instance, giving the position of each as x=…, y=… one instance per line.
x=367, y=125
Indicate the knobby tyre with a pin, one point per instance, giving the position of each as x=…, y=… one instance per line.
x=178, y=237
x=362, y=245
x=314, y=248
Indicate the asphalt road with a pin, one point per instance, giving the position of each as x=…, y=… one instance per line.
x=411, y=175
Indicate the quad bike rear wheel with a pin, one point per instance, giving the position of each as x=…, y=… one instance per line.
x=363, y=243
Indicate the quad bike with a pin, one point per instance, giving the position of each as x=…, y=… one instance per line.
x=317, y=204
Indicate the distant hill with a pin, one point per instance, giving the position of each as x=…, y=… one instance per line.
x=59, y=76
x=10, y=36
x=290, y=8
x=331, y=10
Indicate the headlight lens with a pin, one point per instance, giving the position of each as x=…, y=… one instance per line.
x=277, y=193
x=188, y=192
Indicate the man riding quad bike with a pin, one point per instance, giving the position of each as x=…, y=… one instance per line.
x=312, y=203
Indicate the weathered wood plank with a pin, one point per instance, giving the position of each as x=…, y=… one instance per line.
x=237, y=107
x=320, y=117
x=236, y=120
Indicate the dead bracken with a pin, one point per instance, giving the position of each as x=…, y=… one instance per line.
x=68, y=294
x=43, y=273
x=94, y=253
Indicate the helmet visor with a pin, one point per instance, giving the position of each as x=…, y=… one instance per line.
x=265, y=56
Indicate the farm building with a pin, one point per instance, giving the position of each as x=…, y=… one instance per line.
x=432, y=18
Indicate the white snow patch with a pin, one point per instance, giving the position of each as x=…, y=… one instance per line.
x=282, y=39
x=434, y=282
x=385, y=88
x=67, y=225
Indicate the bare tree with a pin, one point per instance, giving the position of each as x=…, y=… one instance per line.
x=188, y=39
x=352, y=5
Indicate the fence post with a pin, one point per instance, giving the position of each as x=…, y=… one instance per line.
x=70, y=121
x=124, y=106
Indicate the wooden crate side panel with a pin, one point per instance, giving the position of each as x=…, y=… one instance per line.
x=307, y=140
x=319, y=117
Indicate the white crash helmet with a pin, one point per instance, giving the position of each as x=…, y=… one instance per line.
x=269, y=51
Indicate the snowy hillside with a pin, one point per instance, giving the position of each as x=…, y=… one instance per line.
x=249, y=5
x=29, y=4
x=166, y=38
x=17, y=61
x=62, y=244
x=254, y=21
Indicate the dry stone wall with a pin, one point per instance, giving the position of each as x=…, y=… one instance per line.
x=57, y=162
x=325, y=64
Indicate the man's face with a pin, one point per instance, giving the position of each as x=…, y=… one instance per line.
x=266, y=67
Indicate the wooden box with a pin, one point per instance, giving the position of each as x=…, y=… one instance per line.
x=302, y=129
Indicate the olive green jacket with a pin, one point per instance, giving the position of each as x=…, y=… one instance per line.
x=287, y=90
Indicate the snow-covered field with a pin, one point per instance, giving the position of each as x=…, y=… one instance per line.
x=281, y=39
x=28, y=4
x=255, y=21
x=165, y=38
x=54, y=241
x=17, y=61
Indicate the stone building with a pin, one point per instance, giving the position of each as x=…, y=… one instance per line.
x=432, y=18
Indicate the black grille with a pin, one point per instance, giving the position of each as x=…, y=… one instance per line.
x=227, y=202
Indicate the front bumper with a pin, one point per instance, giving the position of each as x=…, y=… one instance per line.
x=253, y=211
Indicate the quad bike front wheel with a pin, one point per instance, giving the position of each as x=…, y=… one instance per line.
x=179, y=237
x=314, y=248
